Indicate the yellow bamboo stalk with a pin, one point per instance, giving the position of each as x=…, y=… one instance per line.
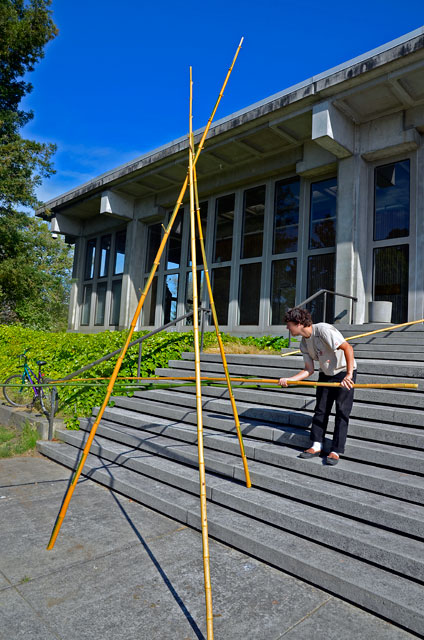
x=364, y=335
x=394, y=385
x=218, y=335
x=202, y=476
x=118, y=364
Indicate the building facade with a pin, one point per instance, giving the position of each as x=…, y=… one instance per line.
x=319, y=186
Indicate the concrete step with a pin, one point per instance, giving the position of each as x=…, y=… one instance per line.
x=273, y=408
x=383, y=454
x=395, y=597
x=218, y=445
x=274, y=366
x=364, y=506
x=368, y=542
x=396, y=397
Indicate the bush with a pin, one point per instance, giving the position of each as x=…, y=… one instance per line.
x=67, y=352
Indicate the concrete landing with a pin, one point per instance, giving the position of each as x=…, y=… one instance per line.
x=124, y=572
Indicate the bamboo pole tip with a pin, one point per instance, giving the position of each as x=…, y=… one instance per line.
x=241, y=41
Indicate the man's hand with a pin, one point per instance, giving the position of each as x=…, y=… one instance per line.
x=283, y=382
x=347, y=382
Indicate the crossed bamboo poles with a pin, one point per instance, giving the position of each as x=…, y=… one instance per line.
x=193, y=157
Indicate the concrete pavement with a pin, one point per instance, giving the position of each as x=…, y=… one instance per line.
x=120, y=571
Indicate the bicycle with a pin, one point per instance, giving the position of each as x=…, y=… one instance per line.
x=26, y=392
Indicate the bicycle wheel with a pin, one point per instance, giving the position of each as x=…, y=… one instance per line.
x=22, y=396
x=46, y=398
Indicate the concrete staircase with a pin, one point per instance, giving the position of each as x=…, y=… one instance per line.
x=356, y=530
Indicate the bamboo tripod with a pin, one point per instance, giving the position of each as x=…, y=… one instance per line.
x=193, y=157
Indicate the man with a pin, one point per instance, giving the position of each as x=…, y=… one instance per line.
x=322, y=342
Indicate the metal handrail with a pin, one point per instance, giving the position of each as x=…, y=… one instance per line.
x=138, y=341
x=325, y=292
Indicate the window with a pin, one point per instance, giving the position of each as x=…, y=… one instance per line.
x=174, y=242
x=90, y=259
x=221, y=292
x=224, y=228
x=170, y=297
x=250, y=292
x=253, y=223
x=86, y=304
x=105, y=244
x=286, y=216
x=391, y=219
x=115, y=305
x=322, y=231
x=149, y=307
x=283, y=288
x=154, y=237
x=391, y=267
x=119, y=253
x=100, y=303
x=204, y=220
x=321, y=275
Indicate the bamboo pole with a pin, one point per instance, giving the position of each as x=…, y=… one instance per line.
x=395, y=385
x=118, y=364
x=202, y=477
x=218, y=335
x=364, y=335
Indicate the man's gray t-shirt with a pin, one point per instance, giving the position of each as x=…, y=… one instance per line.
x=323, y=346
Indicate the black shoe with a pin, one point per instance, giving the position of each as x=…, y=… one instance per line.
x=309, y=454
x=331, y=461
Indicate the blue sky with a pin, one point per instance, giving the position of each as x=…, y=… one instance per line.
x=114, y=83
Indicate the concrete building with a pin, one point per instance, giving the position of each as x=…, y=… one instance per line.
x=318, y=186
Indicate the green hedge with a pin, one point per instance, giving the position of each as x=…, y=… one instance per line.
x=67, y=352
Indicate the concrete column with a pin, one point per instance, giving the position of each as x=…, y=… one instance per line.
x=352, y=237
x=132, y=279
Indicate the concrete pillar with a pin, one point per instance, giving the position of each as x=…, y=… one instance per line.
x=132, y=282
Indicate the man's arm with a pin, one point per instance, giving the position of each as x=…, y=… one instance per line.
x=302, y=375
x=347, y=349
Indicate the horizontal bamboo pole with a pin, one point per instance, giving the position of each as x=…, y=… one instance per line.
x=364, y=335
x=304, y=383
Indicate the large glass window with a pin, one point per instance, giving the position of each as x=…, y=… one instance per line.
x=90, y=259
x=321, y=275
x=286, y=216
x=105, y=244
x=86, y=304
x=221, y=292
x=115, y=304
x=392, y=201
x=175, y=242
x=203, y=219
x=170, y=297
x=224, y=228
x=149, y=307
x=250, y=292
x=253, y=222
x=100, y=303
x=154, y=238
x=119, y=252
x=323, y=214
x=391, y=267
x=283, y=288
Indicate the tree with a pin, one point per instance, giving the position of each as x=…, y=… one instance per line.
x=34, y=268
x=25, y=29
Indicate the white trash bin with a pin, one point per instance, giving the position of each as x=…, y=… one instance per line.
x=380, y=311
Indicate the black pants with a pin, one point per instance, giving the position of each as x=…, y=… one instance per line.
x=326, y=396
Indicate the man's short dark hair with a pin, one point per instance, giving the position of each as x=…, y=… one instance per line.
x=298, y=316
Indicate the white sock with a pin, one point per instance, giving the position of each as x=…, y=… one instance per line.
x=316, y=446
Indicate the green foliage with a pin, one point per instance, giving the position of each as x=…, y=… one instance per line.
x=35, y=273
x=273, y=343
x=25, y=29
x=13, y=443
x=68, y=352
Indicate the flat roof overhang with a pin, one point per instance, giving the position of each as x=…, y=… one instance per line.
x=379, y=82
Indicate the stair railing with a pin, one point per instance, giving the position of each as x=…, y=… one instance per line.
x=325, y=292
